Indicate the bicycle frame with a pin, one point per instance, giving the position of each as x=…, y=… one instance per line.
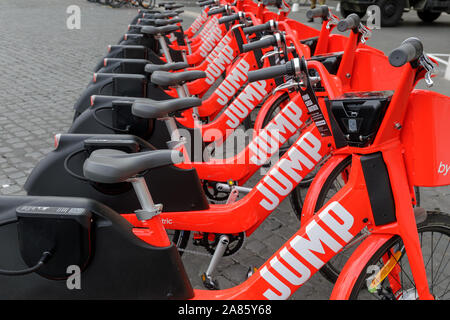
x=248, y=99
x=239, y=169
x=322, y=235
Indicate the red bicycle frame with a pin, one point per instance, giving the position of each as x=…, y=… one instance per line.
x=345, y=215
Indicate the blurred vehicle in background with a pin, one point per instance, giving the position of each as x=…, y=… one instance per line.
x=392, y=10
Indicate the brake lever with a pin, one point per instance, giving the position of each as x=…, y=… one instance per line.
x=285, y=86
x=333, y=21
x=270, y=54
x=276, y=51
x=238, y=25
x=430, y=68
x=365, y=32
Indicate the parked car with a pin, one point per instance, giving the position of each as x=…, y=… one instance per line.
x=392, y=10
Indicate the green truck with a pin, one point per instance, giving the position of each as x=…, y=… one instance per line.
x=392, y=10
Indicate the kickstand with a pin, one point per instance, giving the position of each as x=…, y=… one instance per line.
x=207, y=279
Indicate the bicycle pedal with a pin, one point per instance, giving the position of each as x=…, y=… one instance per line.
x=209, y=283
x=251, y=271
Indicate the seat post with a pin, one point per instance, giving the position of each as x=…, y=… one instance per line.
x=164, y=47
x=172, y=128
x=188, y=43
x=142, y=193
x=149, y=216
x=183, y=54
x=183, y=92
x=176, y=140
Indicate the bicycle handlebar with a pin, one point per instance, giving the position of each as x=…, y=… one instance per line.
x=167, y=14
x=205, y=3
x=163, y=4
x=259, y=44
x=321, y=12
x=351, y=22
x=165, y=22
x=270, y=25
x=230, y=18
x=272, y=72
x=410, y=50
x=271, y=2
x=217, y=11
x=173, y=6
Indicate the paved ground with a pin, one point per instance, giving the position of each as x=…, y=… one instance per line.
x=45, y=67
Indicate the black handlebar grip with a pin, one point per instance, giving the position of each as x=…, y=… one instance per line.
x=321, y=12
x=163, y=15
x=162, y=4
x=166, y=4
x=351, y=22
x=271, y=2
x=173, y=6
x=217, y=11
x=165, y=22
x=272, y=72
x=258, y=28
x=263, y=43
x=205, y=3
x=229, y=18
x=410, y=50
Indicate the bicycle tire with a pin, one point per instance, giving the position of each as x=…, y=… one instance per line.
x=180, y=238
x=436, y=222
x=329, y=271
x=274, y=109
x=116, y=3
x=332, y=269
x=271, y=113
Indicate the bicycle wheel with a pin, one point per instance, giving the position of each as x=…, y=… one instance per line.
x=334, y=182
x=275, y=109
x=180, y=238
x=387, y=275
x=115, y=3
x=279, y=104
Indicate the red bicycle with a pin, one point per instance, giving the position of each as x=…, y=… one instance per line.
x=369, y=137
x=385, y=166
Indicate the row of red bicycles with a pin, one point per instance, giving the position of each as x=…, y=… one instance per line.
x=331, y=122
x=147, y=4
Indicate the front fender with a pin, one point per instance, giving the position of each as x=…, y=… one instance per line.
x=265, y=109
x=309, y=204
x=356, y=264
